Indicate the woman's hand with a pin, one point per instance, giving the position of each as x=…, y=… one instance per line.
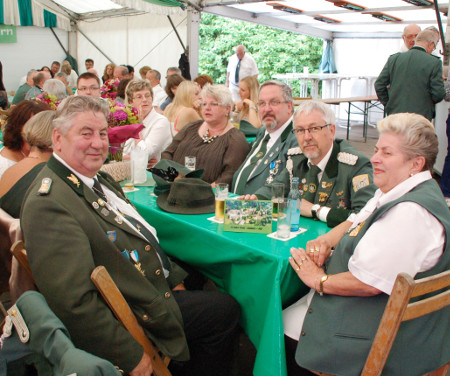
x=238, y=106
x=248, y=197
x=318, y=250
x=305, y=268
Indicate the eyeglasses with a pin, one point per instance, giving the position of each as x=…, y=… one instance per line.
x=312, y=130
x=213, y=104
x=141, y=97
x=90, y=88
x=272, y=103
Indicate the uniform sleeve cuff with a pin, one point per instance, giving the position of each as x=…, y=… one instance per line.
x=323, y=213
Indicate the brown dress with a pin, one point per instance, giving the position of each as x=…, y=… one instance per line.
x=220, y=159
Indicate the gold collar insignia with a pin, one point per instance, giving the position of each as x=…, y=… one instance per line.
x=74, y=180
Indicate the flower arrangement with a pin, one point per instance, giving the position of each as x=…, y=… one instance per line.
x=109, y=89
x=50, y=99
x=123, y=124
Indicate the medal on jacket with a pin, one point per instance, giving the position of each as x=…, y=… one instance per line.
x=135, y=258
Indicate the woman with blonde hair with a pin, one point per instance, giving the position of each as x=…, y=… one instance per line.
x=185, y=106
x=247, y=108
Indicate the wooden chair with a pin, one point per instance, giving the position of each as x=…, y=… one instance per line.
x=399, y=309
x=19, y=252
x=114, y=298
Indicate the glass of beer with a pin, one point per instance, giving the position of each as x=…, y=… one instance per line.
x=221, y=196
x=129, y=180
x=277, y=197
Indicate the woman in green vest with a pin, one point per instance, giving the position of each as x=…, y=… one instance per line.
x=403, y=228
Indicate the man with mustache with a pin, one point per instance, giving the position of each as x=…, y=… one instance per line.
x=335, y=179
x=267, y=157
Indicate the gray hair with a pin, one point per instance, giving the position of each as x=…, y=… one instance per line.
x=38, y=130
x=175, y=69
x=219, y=92
x=72, y=106
x=157, y=74
x=61, y=74
x=287, y=91
x=428, y=36
x=136, y=85
x=419, y=137
x=30, y=73
x=123, y=69
x=55, y=87
x=308, y=106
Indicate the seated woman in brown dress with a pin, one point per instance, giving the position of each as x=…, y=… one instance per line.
x=219, y=148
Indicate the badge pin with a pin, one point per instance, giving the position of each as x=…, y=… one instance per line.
x=112, y=235
x=101, y=202
x=95, y=205
x=119, y=220
x=105, y=212
x=74, y=180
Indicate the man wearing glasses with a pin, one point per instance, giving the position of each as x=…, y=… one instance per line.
x=335, y=179
x=412, y=81
x=267, y=157
x=88, y=84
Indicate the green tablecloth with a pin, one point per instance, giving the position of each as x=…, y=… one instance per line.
x=253, y=268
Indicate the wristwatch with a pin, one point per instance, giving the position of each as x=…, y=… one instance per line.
x=322, y=281
x=314, y=209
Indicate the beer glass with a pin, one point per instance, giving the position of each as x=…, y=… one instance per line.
x=277, y=196
x=221, y=196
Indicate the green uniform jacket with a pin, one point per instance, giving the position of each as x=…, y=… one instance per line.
x=68, y=231
x=276, y=154
x=411, y=82
x=345, y=188
x=338, y=331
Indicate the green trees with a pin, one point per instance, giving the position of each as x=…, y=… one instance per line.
x=275, y=51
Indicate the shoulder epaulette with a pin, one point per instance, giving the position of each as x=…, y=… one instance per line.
x=347, y=158
x=294, y=151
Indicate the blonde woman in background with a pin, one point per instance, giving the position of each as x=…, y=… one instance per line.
x=185, y=106
x=247, y=108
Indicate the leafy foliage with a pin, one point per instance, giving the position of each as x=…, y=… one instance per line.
x=275, y=51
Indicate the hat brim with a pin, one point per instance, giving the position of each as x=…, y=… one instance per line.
x=163, y=204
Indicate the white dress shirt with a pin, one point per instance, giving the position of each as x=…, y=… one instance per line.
x=156, y=136
x=248, y=68
x=159, y=95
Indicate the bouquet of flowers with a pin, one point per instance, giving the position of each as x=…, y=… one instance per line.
x=109, y=89
x=123, y=124
x=50, y=99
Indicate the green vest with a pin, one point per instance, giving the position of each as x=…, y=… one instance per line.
x=338, y=331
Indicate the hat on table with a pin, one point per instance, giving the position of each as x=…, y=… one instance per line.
x=188, y=196
x=170, y=170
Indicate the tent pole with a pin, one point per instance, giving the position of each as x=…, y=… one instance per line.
x=176, y=33
x=193, y=24
x=98, y=48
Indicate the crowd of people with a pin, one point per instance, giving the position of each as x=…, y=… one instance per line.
x=55, y=143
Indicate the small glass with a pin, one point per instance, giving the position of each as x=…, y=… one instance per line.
x=129, y=181
x=277, y=196
x=189, y=162
x=234, y=119
x=221, y=195
x=284, y=220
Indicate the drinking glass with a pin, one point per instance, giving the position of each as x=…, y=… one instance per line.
x=277, y=196
x=189, y=162
x=221, y=196
x=284, y=219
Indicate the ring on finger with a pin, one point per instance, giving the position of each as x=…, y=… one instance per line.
x=303, y=259
x=297, y=269
x=311, y=250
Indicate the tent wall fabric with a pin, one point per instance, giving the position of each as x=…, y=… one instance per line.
x=166, y=7
x=30, y=13
x=146, y=39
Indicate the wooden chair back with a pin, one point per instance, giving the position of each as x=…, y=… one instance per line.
x=114, y=298
x=399, y=309
x=19, y=252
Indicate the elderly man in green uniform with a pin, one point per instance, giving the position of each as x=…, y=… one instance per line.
x=267, y=157
x=335, y=180
x=74, y=219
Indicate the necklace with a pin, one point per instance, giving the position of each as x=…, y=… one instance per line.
x=34, y=157
x=207, y=139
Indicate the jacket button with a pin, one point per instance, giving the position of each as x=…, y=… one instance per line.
x=157, y=271
x=167, y=295
x=145, y=317
x=303, y=333
x=148, y=248
x=309, y=310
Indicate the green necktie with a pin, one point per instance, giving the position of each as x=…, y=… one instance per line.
x=312, y=183
x=240, y=185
